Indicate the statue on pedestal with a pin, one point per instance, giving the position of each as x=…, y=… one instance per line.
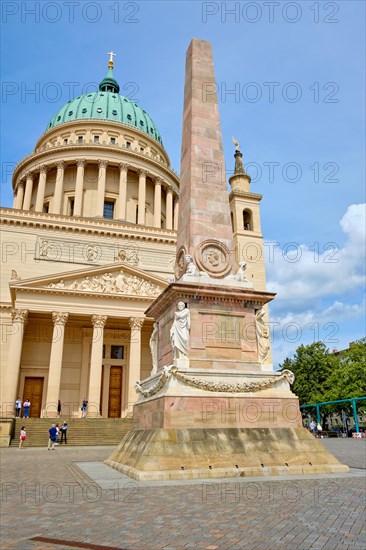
x=179, y=332
x=154, y=348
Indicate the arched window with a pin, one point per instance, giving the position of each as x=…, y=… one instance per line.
x=247, y=220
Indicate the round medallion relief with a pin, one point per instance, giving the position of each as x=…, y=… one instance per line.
x=180, y=265
x=213, y=257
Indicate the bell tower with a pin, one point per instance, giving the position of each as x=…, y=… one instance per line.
x=245, y=219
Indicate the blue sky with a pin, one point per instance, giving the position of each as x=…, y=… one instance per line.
x=296, y=72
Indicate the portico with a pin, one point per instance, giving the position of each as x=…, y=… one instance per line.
x=59, y=349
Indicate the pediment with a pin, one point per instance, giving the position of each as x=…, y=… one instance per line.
x=112, y=280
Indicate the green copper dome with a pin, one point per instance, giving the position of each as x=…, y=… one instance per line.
x=107, y=104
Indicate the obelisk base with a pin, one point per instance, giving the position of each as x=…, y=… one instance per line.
x=168, y=454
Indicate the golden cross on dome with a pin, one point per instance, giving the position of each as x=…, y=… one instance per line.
x=110, y=63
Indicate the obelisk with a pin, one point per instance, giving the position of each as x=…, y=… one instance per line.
x=209, y=410
x=204, y=228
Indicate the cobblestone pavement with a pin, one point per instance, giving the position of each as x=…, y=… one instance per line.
x=58, y=498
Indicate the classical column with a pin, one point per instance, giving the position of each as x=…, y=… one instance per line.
x=157, y=204
x=54, y=374
x=169, y=208
x=122, y=200
x=101, y=187
x=79, y=186
x=176, y=213
x=41, y=189
x=18, y=203
x=59, y=187
x=28, y=192
x=142, y=197
x=134, y=363
x=95, y=377
x=10, y=389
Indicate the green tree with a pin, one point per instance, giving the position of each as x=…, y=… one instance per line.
x=348, y=379
x=312, y=366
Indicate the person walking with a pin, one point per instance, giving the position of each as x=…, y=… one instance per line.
x=59, y=407
x=64, y=432
x=22, y=437
x=312, y=426
x=57, y=434
x=26, y=408
x=84, y=408
x=18, y=407
x=52, y=437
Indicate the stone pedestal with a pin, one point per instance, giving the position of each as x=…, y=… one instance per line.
x=223, y=325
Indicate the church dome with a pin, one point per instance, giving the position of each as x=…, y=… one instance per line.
x=107, y=104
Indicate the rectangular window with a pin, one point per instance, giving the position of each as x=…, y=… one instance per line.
x=80, y=139
x=108, y=210
x=71, y=207
x=46, y=207
x=103, y=352
x=96, y=139
x=128, y=144
x=117, y=352
x=113, y=141
x=142, y=149
x=65, y=141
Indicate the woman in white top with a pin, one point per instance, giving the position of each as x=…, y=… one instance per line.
x=22, y=437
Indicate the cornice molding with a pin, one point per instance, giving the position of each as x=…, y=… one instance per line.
x=246, y=194
x=93, y=226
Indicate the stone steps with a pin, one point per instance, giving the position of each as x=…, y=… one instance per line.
x=93, y=431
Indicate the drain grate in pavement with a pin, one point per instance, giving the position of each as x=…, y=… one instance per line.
x=75, y=544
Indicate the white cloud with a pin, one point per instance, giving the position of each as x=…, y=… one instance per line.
x=319, y=295
x=300, y=275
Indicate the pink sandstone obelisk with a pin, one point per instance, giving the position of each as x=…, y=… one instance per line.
x=205, y=230
x=209, y=408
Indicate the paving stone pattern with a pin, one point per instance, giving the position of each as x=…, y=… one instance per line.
x=46, y=494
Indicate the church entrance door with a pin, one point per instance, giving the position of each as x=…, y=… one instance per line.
x=115, y=392
x=33, y=390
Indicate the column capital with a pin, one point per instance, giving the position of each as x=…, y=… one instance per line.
x=43, y=169
x=123, y=166
x=98, y=321
x=21, y=184
x=60, y=165
x=158, y=181
x=19, y=315
x=136, y=323
x=29, y=176
x=143, y=173
x=59, y=318
x=81, y=163
x=103, y=163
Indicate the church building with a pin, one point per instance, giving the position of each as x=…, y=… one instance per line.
x=89, y=244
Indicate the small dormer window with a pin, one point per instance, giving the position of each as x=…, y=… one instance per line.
x=129, y=117
x=141, y=122
x=59, y=117
x=114, y=112
x=84, y=111
x=70, y=113
x=99, y=110
x=96, y=139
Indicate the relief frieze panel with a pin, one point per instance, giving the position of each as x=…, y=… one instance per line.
x=110, y=283
x=92, y=253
